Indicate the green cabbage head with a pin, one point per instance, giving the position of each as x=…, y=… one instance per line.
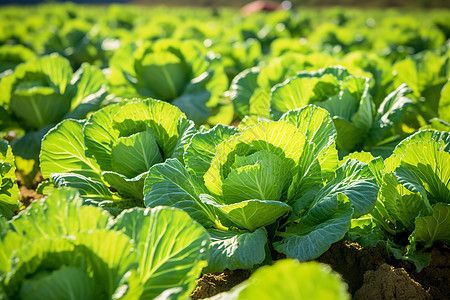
x=413, y=207
x=59, y=248
x=180, y=72
x=40, y=93
x=107, y=156
x=276, y=183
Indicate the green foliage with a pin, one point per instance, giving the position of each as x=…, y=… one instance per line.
x=179, y=72
x=107, y=156
x=40, y=93
x=346, y=97
x=282, y=175
x=414, y=198
x=303, y=88
x=59, y=249
x=13, y=55
x=9, y=192
x=426, y=74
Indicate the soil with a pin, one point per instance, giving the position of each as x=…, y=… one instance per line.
x=370, y=273
x=436, y=277
x=28, y=194
x=214, y=283
x=388, y=282
x=352, y=261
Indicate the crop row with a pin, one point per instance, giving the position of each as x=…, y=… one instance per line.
x=331, y=141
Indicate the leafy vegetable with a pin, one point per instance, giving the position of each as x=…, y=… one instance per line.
x=9, y=192
x=277, y=175
x=107, y=157
x=414, y=199
x=179, y=72
x=426, y=74
x=11, y=56
x=374, y=66
x=59, y=249
x=250, y=90
x=346, y=97
x=79, y=41
x=272, y=186
x=40, y=93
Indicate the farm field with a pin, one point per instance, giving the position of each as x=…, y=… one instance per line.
x=168, y=153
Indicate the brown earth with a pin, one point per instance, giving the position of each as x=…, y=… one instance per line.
x=436, y=277
x=28, y=194
x=388, y=282
x=352, y=261
x=369, y=272
x=214, y=283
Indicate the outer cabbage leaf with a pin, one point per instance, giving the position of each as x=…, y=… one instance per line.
x=66, y=202
x=431, y=167
x=127, y=187
x=87, y=187
x=444, y=102
x=236, y=250
x=63, y=151
x=390, y=114
x=13, y=55
x=443, y=138
x=171, y=184
x=319, y=129
x=292, y=94
x=9, y=192
x=242, y=88
x=289, y=279
x=326, y=218
x=63, y=158
x=100, y=135
x=435, y=227
x=414, y=196
x=437, y=124
x=426, y=74
x=87, y=91
x=400, y=203
x=60, y=284
x=259, y=104
x=250, y=214
x=308, y=240
x=195, y=105
x=172, y=249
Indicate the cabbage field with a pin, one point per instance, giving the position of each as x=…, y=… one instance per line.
x=164, y=153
